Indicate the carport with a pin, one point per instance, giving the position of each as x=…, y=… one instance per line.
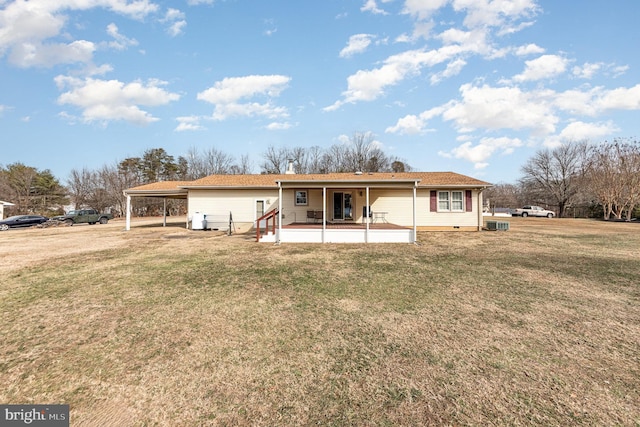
x=2, y=205
x=164, y=190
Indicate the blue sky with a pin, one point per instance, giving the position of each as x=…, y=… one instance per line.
x=471, y=86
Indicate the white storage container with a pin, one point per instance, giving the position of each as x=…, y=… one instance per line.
x=197, y=221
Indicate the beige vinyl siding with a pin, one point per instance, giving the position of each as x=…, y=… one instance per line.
x=399, y=207
x=447, y=219
x=241, y=203
x=293, y=213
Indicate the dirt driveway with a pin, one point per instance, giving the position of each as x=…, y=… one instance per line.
x=21, y=247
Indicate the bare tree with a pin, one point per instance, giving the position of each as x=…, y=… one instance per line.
x=243, y=167
x=210, y=162
x=315, y=160
x=614, y=177
x=504, y=196
x=81, y=185
x=603, y=177
x=275, y=160
x=335, y=159
x=554, y=176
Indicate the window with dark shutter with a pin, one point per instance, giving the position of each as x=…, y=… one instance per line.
x=468, y=201
x=434, y=201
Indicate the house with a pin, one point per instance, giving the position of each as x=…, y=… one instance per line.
x=334, y=207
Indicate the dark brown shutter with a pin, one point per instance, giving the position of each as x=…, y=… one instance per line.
x=434, y=201
x=468, y=201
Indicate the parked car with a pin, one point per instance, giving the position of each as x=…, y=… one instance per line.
x=532, y=211
x=22, y=221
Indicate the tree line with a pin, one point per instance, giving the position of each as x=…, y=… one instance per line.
x=36, y=191
x=574, y=179
x=579, y=179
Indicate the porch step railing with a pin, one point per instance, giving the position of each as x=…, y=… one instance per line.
x=272, y=214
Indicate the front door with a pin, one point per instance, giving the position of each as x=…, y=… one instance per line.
x=342, y=206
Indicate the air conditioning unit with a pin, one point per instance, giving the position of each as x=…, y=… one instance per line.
x=497, y=225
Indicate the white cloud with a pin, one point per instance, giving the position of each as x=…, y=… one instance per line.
x=175, y=19
x=423, y=9
x=544, y=67
x=494, y=108
x=368, y=85
x=47, y=55
x=453, y=69
x=496, y=13
x=503, y=14
x=483, y=150
x=120, y=42
x=358, y=43
x=226, y=94
x=413, y=125
x=594, y=101
x=188, y=123
x=27, y=27
x=529, y=49
x=279, y=126
x=176, y=28
x=587, y=71
x=621, y=98
x=107, y=100
x=372, y=6
x=578, y=131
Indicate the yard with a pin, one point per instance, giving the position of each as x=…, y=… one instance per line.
x=165, y=326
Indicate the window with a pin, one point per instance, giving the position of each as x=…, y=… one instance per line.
x=443, y=200
x=457, y=202
x=451, y=201
x=301, y=198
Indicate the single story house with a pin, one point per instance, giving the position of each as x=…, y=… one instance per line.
x=326, y=208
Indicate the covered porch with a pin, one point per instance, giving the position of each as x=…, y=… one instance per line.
x=341, y=211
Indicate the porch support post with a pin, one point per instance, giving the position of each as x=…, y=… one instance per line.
x=164, y=212
x=127, y=223
x=415, y=226
x=480, y=208
x=324, y=212
x=279, y=212
x=367, y=216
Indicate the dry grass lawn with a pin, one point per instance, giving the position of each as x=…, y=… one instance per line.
x=165, y=326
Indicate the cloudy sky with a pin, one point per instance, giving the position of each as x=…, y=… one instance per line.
x=471, y=86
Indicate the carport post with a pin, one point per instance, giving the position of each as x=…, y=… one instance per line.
x=164, y=212
x=127, y=226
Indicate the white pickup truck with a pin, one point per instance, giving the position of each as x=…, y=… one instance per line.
x=532, y=211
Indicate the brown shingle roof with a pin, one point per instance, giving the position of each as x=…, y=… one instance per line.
x=426, y=179
x=159, y=186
